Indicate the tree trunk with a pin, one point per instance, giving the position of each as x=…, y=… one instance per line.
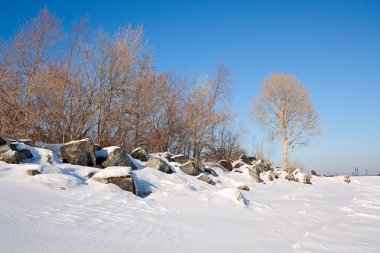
x=285, y=166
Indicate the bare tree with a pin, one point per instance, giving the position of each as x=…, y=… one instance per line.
x=284, y=109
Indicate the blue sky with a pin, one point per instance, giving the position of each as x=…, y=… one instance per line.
x=333, y=47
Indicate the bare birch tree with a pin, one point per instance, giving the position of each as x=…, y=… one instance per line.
x=285, y=110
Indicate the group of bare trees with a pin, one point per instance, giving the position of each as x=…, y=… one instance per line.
x=57, y=87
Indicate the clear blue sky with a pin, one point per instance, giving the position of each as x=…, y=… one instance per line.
x=332, y=46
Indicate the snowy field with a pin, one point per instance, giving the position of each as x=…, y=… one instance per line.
x=60, y=211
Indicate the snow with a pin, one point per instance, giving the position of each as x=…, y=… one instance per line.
x=105, y=151
x=61, y=211
x=113, y=171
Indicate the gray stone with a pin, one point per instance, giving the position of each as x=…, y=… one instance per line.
x=140, y=154
x=97, y=147
x=314, y=173
x=244, y=158
x=182, y=159
x=10, y=154
x=238, y=164
x=118, y=157
x=33, y=172
x=347, y=179
x=79, y=152
x=255, y=174
x=290, y=177
x=126, y=182
x=205, y=178
x=210, y=171
x=189, y=168
x=157, y=163
x=2, y=142
x=226, y=164
x=261, y=166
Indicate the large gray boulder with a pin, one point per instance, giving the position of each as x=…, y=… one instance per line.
x=225, y=164
x=182, y=159
x=157, y=163
x=255, y=174
x=140, y=154
x=120, y=176
x=114, y=156
x=205, y=178
x=9, y=153
x=79, y=152
x=189, y=168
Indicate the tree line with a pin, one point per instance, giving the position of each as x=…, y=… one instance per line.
x=58, y=86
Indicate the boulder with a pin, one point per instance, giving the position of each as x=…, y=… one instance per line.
x=2, y=142
x=270, y=178
x=302, y=177
x=79, y=152
x=261, y=165
x=28, y=142
x=290, y=177
x=120, y=176
x=168, y=157
x=225, y=164
x=115, y=156
x=347, y=179
x=238, y=164
x=210, y=171
x=237, y=171
x=244, y=158
x=182, y=159
x=140, y=154
x=97, y=147
x=255, y=174
x=205, y=178
x=9, y=153
x=244, y=188
x=314, y=173
x=157, y=163
x=33, y=172
x=189, y=168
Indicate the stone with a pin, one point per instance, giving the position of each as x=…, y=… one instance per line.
x=189, y=168
x=347, y=179
x=210, y=171
x=237, y=171
x=9, y=153
x=33, y=172
x=244, y=188
x=97, y=147
x=314, y=173
x=301, y=176
x=168, y=157
x=254, y=173
x=238, y=164
x=182, y=159
x=225, y=164
x=140, y=154
x=205, y=178
x=270, y=178
x=28, y=142
x=261, y=165
x=290, y=177
x=80, y=152
x=157, y=163
x=115, y=156
x=244, y=158
x=120, y=176
x=2, y=142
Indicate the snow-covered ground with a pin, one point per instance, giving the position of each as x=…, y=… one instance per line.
x=61, y=211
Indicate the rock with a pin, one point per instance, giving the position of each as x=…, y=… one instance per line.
x=226, y=164
x=140, y=154
x=157, y=163
x=28, y=142
x=290, y=169
x=210, y=171
x=10, y=154
x=244, y=158
x=254, y=173
x=244, y=188
x=347, y=179
x=182, y=159
x=97, y=147
x=261, y=166
x=301, y=176
x=290, y=177
x=115, y=156
x=120, y=176
x=33, y=172
x=168, y=157
x=238, y=164
x=207, y=179
x=80, y=152
x=91, y=174
x=189, y=168
x=270, y=178
x=314, y=173
x=237, y=171
x=2, y=142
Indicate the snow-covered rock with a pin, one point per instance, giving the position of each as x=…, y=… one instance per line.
x=120, y=176
x=226, y=164
x=9, y=153
x=140, y=154
x=159, y=164
x=114, y=156
x=181, y=159
x=79, y=152
x=189, y=168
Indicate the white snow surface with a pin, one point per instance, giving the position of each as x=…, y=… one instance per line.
x=61, y=211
